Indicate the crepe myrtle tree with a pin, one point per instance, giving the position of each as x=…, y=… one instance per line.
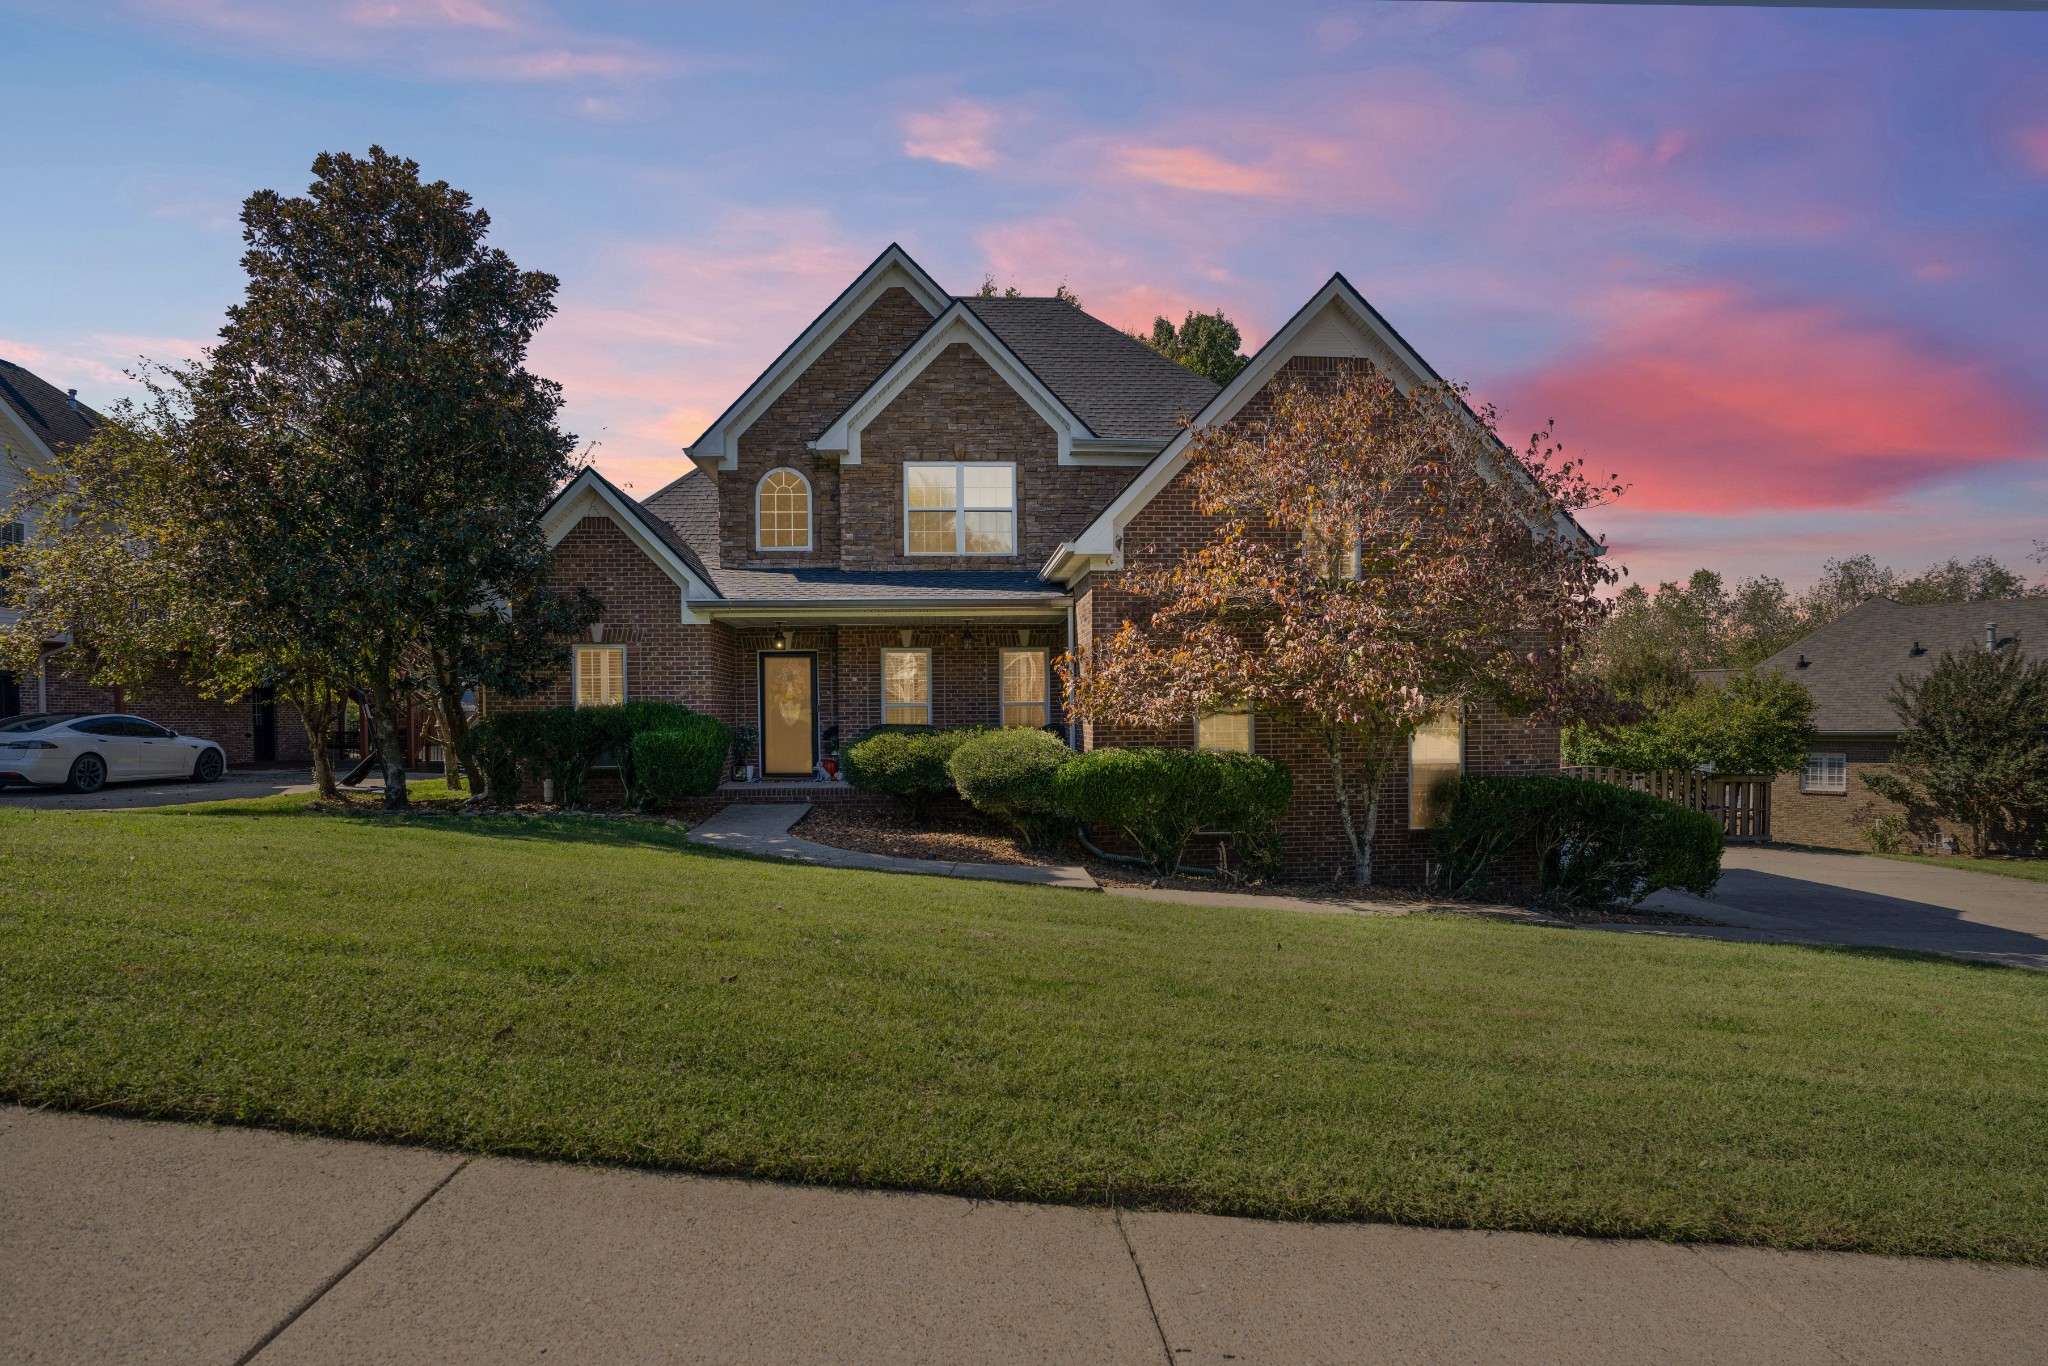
x=1377, y=556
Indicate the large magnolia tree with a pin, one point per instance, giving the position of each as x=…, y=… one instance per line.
x=1379, y=557
x=346, y=491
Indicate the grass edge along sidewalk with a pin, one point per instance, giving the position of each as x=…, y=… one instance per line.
x=599, y=990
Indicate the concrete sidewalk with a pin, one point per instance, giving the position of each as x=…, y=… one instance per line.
x=130, y=1241
x=764, y=829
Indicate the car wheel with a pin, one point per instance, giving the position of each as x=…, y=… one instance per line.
x=88, y=774
x=209, y=766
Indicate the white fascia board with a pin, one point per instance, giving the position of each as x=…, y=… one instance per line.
x=1336, y=320
x=590, y=493
x=956, y=325
x=892, y=269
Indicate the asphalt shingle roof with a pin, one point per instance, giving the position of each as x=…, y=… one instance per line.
x=1119, y=386
x=687, y=511
x=44, y=408
x=1853, y=662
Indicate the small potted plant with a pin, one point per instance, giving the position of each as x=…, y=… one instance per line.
x=743, y=738
x=828, y=746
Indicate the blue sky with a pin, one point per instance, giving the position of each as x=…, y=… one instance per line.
x=1783, y=270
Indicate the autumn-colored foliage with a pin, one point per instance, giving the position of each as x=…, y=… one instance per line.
x=1379, y=557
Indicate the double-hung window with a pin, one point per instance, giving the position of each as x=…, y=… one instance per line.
x=966, y=509
x=1026, y=688
x=907, y=687
x=1825, y=773
x=600, y=675
x=1228, y=730
x=1436, y=754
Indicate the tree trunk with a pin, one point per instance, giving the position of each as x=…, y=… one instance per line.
x=314, y=702
x=454, y=727
x=384, y=703
x=1361, y=848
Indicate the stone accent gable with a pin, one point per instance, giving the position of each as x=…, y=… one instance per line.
x=960, y=409
x=852, y=363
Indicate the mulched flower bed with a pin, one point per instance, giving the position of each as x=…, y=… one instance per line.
x=885, y=830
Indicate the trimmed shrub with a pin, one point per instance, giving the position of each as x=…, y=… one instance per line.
x=565, y=743
x=1594, y=846
x=490, y=748
x=907, y=762
x=1009, y=774
x=681, y=761
x=1159, y=799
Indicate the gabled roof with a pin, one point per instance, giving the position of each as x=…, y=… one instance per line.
x=46, y=412
x=1851, y=664
x=958, y=325
x=892, y=269
x=1336, y=321
x=1122, y=388
x=590, y=492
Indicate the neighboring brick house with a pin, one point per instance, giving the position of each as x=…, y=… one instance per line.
x=1851, y=666
x=922, y=503
x=36, y=420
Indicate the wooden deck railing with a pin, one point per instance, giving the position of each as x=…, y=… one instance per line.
x=1742, y=803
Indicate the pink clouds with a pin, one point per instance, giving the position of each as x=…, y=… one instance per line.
x=506, y=41
x=656, y=338
x=2033, y=147
x=1708, y=400
x=1194, y=168
x=956, y=134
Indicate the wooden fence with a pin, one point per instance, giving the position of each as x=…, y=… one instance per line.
x=1742, y=804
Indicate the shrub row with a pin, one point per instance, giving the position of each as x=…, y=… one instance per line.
x=1592, y=845
x=1157, y=798
x=664, y=752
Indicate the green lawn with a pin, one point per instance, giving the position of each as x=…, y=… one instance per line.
x=590, y=989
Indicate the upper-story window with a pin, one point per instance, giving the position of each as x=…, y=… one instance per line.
x=782, y=511
x=959, y=509
x=1231, y=730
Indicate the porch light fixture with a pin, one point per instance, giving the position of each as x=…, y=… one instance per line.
x=782, y=637
x=967, y=637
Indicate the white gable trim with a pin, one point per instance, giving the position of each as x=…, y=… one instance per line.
x=957, y=325
x=590, y=494
x=1336, y=321
x=891, y=270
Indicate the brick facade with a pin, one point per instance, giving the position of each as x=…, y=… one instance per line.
x=959, y=408
x=169, y=701
x=776, y=439
x=1837, y=820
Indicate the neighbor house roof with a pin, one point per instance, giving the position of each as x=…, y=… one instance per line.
x=1119, y=386
x=1851, y=664
x=49, y=413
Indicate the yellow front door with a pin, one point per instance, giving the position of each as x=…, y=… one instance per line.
x=787, y=732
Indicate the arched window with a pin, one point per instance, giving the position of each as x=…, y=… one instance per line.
x=782, y=511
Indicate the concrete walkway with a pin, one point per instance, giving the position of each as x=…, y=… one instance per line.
x=764, y=829
x=139, y=1242
x=1816, y=897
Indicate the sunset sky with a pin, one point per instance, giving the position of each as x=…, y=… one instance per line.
x=1785, y=271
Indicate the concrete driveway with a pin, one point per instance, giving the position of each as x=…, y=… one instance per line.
x=1815, y=897
x=235, y=784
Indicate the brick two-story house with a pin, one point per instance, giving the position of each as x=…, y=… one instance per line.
x=922, y=503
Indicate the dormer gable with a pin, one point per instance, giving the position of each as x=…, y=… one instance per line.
x=893, y=269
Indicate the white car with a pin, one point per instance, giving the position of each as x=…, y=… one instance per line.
x=84, y=751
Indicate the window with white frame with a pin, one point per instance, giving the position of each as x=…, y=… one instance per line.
x=600, y=675
x=959, y=509
x=1436, y=754
x=782, y=511
x=907, y=687
x=1230, y=730
x=1825, y=773
x=1026, y=690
